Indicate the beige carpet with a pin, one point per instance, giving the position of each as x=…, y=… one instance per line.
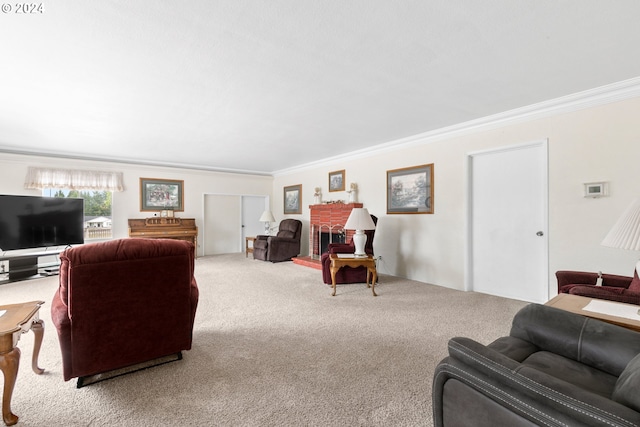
x=272, y=348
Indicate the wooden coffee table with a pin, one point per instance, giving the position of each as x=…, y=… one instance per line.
x=16, y=319
x=576, y=304
x=349, y=260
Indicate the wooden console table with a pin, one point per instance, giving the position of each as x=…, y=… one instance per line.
x=166, y=228
x=16, y=319
x=349, y=260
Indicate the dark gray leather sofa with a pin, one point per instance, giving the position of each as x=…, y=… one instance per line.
x=554, y=369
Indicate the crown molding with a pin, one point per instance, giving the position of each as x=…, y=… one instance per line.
x=62, y=155
x=602, y=95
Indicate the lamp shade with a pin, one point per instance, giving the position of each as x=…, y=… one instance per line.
x=359, y=219
x=267, y=216
x=625, y=234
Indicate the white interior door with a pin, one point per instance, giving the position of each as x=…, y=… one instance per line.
x=252, y=209
x=222, y=224
x=508, y=210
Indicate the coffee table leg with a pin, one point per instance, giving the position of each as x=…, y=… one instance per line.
x=9, y=363
x=38, y=331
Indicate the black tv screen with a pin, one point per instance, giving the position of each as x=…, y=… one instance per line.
x=34, y=222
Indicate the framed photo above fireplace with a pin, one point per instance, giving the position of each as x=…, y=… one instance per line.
x=293, y=199
x=336, y=181
x=410, y=190
x=161, y=195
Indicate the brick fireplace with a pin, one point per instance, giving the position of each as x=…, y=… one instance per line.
x=326, y=225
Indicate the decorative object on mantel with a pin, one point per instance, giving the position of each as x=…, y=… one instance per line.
x=410, y=190
x=161, y=195
x=360, y=220
x=293, y=199
x=267, y=218
x=353, y=192
x=336, y=181
x=317, y=196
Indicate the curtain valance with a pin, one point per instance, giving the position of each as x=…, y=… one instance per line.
x=73, y=179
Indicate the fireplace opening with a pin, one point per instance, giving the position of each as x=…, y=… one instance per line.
x=326, y=238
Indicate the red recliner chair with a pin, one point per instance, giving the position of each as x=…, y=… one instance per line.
x=124, y=302
x=613, y=288
x=347, y=274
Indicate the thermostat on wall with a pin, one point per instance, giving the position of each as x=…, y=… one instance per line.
x=594, y=189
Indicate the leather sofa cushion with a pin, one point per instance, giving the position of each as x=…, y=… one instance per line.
x=597, y=344
x=627, y=388
x=576, y=373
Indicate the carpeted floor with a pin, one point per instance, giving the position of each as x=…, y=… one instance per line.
x=272, y=348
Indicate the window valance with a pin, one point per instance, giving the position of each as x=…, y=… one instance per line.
x=73, y=179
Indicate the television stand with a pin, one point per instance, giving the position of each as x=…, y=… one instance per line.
x=25, y=266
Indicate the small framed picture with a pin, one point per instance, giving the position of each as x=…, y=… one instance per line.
x=336, y=181
x=293, y=199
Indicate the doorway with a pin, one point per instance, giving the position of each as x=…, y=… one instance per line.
x=507, y=222
x=228, y=219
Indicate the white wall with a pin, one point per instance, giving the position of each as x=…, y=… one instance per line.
x=595, y=144
x=126, y=204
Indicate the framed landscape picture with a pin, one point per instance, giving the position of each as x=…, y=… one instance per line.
x=161, y=195
x=410, y=190
x=336, y=181
x=293, y=199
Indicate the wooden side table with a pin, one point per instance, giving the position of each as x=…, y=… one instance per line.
x=348, y=260
x=248, y=249
x=16, y=319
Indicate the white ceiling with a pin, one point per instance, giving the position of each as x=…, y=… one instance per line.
x=263, y=86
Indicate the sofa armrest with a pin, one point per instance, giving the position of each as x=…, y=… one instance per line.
x=532, y=394
x=607, y=293
x=567, y=278
x=340, y=248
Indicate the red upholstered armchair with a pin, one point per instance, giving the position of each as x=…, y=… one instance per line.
x=614, y=287
x=124, y=302
x=347, y=274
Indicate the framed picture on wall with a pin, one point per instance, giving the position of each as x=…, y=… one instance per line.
x=293, y=199
x=410, y=190
x=336, y=181
x=161, y=195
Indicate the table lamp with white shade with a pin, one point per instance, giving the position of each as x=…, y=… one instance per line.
x=359, y=220
x=267, y=218
x=625, y=233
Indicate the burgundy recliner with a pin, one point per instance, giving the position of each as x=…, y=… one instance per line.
x=124, y=302
x=614, y=288
x=281, y=247
x=347, y=274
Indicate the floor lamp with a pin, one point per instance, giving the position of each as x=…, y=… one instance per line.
x=359, y=220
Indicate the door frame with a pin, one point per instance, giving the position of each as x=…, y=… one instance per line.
x=468, y=263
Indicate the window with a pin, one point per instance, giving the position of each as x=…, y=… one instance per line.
x=97, y=210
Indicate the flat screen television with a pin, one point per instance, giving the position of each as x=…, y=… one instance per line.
x=28, y=222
